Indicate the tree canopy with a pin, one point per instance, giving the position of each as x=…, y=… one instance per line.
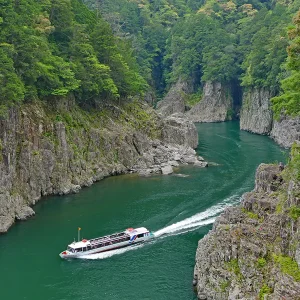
x=56, y=47
x=289, y=100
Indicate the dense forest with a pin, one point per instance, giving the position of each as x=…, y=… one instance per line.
x=117, y=49
x=240, y=42
x=56, y=47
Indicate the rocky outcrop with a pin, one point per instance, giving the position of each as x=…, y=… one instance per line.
x=286, y=130
x=174, y=101
x=215, y=105
x=179, y=130
x=256, y=115
x=57, y=150
x=252, y=252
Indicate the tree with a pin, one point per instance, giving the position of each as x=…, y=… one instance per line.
x=289, y=100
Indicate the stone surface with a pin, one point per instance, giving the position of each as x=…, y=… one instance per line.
x=43, y=154
x=215, y=105
x=174, y=101
x=24, y=213
x=286, y=130
x=180, y=130
x=236, y=259
x=167, y=170
x=256, y=115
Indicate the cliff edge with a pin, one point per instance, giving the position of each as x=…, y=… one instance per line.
x=45, y=149
x=253, y=250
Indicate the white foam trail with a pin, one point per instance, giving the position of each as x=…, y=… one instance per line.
x=201, y=219
x=111, y=253
x=196, y=220
x=188, y=228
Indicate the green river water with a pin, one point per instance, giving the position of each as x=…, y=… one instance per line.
x=179, y=210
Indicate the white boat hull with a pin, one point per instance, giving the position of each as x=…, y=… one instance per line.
x=67, y=254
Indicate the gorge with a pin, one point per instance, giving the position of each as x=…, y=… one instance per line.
x=163, y=269
x=95, y=88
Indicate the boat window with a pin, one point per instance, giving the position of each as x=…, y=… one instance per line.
x=140, y=235
x=78, y=249
x=84, y=249
x=89, y=247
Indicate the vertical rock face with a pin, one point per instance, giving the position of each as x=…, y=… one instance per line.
x=215, y=105
x=286, y=130
x=252, y=252
x=174, y=101
x=180, y=130
x=256, y=115
x=43, y=153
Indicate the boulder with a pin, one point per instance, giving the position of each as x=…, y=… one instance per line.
x=201, y=164
x=24, y=213
x=167, y=170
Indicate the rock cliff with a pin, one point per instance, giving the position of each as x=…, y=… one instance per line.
x=253, y=250
x=174, y=101
x=215, y=105
x=286, y=130
x=57, y=150
x=256, y=115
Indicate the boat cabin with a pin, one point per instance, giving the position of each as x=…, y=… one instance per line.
x=130, y=235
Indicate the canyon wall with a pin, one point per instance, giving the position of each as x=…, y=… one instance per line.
x=286, y=130
x=56, y=150
x=256, y=115
x=253, y=250
x=215, y=105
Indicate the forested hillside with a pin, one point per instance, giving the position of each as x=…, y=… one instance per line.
x=119, y=48
x=57, y=47
x=240, y=42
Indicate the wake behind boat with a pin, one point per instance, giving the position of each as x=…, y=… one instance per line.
x=107, y=243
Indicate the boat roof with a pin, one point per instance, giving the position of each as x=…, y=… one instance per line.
x=139, y=230
x=80, y=244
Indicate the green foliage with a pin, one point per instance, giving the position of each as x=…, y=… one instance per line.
x=292, y=171
x=288, y=266
x=54, y=48
x=204, y=40
x=289, y=100
x=193, y=99
x=224, y=285
x=51, y=48
x=250, y=214
x=294, y=212
x=267, y=49
x=265, y=290
x=233, y=266
x=11, y=87
x=261, y=262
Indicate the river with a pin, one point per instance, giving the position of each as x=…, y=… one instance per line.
x=178, y=209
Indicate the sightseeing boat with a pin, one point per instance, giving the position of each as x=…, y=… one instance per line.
x=114, y=241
